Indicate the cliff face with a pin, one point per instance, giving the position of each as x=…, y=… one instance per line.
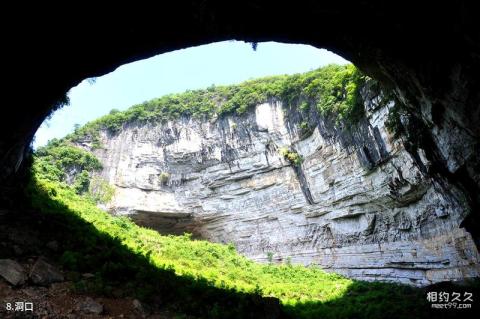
x=358, y=204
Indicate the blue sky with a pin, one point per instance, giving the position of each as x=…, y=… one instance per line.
x=218, y=63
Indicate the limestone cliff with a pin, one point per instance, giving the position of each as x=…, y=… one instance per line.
x=358, y=203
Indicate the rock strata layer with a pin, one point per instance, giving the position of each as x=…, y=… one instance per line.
x=358, y=204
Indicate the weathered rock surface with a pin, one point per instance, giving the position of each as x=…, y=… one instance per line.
x=140, y=308
x=359, y=204
x=90, y=306
x=43, y=273
x=12, y=272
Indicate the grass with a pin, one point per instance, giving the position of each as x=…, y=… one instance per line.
x=200, y=278
x=219, y=264
x=196, y=277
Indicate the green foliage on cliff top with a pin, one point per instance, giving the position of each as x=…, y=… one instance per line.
x=333, y=89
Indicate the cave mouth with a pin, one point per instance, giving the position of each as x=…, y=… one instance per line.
x=285, y=167
x=190, y=69
x=307, y=168
x=437, y=81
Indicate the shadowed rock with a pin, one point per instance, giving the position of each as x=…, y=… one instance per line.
x=43, y=273
x=12, y=272
x=90, y=306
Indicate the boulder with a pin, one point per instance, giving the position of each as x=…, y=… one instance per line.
x=44, y=274
x=12, y=272
x=90, y=306
x=141, y=308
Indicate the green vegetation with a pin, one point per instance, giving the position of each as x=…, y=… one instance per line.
x=195, y=277
x=333, y=89
x=306, y=129
x=61, y=162
x=293, y=157
x=219, y=264
x=270, y=257
x=99, y=190
x=198, y=277
x=164, y=178
x=304, y=126
x=59, y=157
x=393, y=123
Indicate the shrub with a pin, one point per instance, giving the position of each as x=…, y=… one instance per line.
x=164, y=178
x=100, y=190
x=394, y=120
x=304, y=106
x=82, y=182
x=270, y=257
x=293, y=157
x=59, y=157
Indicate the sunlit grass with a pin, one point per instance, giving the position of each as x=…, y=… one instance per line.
x=199, y=277
x=217, y=263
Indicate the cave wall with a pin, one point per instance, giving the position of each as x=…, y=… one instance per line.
x=359, y=204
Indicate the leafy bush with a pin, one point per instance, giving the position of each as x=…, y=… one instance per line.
x=270, y=257
x=293, y=157
x=394, y=120
x=60, y=161
x=100, y=190
x=164, y=178
x=82, y=182
x=64, y=157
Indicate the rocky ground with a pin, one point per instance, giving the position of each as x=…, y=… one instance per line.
x=59, y=301
x=29, y=278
